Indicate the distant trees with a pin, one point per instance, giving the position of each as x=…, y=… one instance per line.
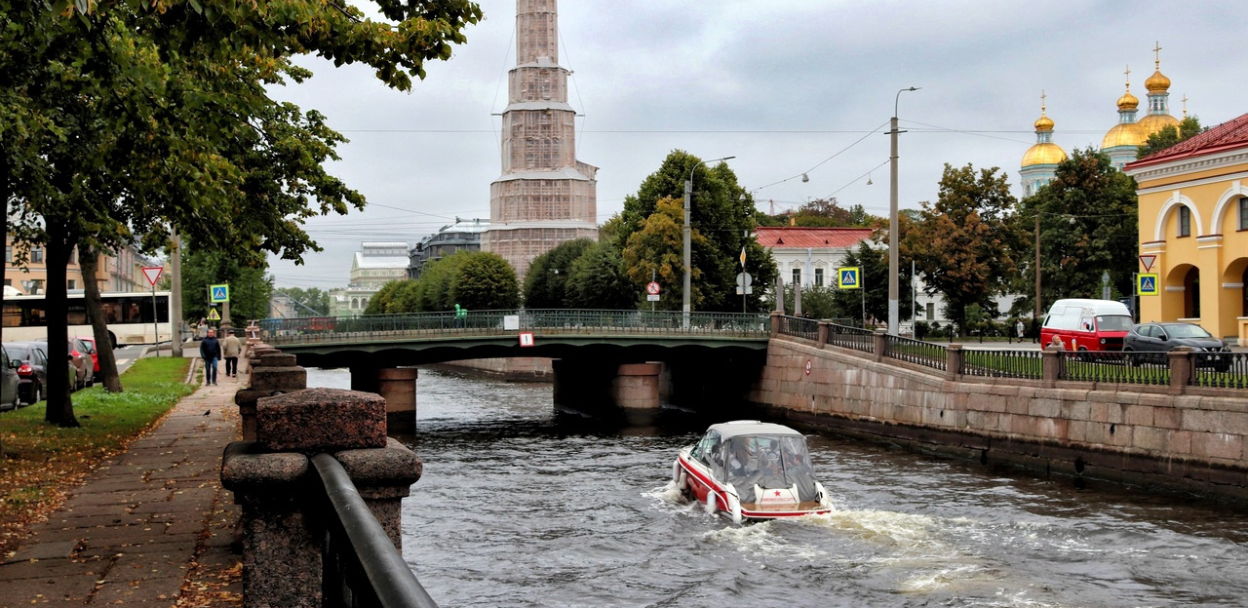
x=250, y=288
x=473, y=279
x=546, y=285
x=1168, y=136
x=824, y=213
x=310, y=301
x=872, y=262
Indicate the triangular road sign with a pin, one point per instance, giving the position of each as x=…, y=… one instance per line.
x=1147, y=260
x=153, y=273
x=213, y=315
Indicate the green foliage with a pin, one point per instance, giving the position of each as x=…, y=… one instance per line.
x=722, y=214
x=962, y=244
x=546, y=285
x=1168, y=136
x=311, y=301
x=1088, y=225
x=250, y=289
x=485, y=282
x=436, y=281
x=873, y=262
x=828, y=213
x=383, y=298
x=597, y=280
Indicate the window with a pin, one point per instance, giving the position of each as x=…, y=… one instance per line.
x=71, y=284
x=36, y=255
x=797, y=276
x=1243, y=213
x=1185, y=221
x=8, y=253
x=818, y=277
x=931, y=311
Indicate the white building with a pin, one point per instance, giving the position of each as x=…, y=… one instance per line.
x=809, y=256
x=374, y=265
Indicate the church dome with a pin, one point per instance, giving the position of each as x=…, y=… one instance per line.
x=1128, y=101
x=1155, y=122
x=1123, y=134
x=1157, y=83
x=1044, y=154
x=1044, y=123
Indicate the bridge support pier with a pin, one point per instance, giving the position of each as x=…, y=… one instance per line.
x=633, y=388
x=398, y=386
x=365, y=378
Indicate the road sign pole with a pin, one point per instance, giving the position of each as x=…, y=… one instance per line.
x=156, y=323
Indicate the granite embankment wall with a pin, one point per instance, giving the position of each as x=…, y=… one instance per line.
x=1181, y=442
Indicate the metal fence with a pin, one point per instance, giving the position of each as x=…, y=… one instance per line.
x=1003, y=363
x=800, y=327
x=361, y=566
x=855, y=338
x=1111, y=366
x=495, y=322
x=1219, y=370
x=922, y=353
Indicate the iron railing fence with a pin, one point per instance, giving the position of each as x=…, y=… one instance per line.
x=1003, y=363
x=1219, y=370
x=361, y=568
x=800, y=327
x=855, y=338
x=919, y=352
x=496, y=322
x=1110, y=366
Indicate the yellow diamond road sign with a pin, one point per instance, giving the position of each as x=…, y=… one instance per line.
x=849, y=277
x=213, y=316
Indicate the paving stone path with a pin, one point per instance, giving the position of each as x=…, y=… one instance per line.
x=151, y=527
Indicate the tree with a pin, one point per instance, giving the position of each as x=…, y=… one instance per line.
x=250, y=288
x=485, y=281
x=722, y=212
x=873, y=268
x=655, y=251
x=827, y=212
x=384, y=297
x=961, y=243
x=311, y=301
x=1088, y=225
x=546, y=285
x=597, y=279
x=1169, y=136
x=133, y=118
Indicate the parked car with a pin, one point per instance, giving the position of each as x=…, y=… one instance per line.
x=31, y=362
x=1149, y=342
x=89, y=343
x=8, y=381
x=1083, y=324
x=82, y=362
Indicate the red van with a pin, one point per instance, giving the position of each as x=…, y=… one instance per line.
x=1086, y=324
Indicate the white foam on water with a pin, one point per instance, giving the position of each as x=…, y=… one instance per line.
x=757, y=540
x=904, y=530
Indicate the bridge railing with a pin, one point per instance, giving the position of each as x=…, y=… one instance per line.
x=800, y=327
x=855, y=338
x=1027, y=364
x=490, y=322
x=918, y=352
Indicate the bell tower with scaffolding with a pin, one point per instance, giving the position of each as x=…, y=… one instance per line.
x=544, y=196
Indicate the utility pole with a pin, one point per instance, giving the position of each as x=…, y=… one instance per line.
x=893, y=225
x=1038, y=304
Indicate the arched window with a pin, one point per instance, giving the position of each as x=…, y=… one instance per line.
x=1243, y=213
x=1185, y=221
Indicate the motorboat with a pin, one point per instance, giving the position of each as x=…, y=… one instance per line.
x=751, y=470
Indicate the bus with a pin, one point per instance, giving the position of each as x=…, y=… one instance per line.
x=129, y=315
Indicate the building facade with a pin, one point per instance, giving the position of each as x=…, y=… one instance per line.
x=544, y=196
x=809, y=256
x=118, y=271
x=463, y=235
x=374, y=265
x=1193, y=221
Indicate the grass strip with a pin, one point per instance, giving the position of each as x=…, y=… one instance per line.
x=40, y=462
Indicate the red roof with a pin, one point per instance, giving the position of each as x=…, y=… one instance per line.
x=1226, y=136
x=783, y=237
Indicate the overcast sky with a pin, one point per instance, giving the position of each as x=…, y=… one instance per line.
x=783, y=85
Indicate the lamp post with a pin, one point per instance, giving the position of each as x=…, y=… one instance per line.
x=685, y=298
x=893, y=229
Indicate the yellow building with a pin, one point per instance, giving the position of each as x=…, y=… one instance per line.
x=1193, y=216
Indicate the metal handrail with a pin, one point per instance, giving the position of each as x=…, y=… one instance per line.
x=801, y=327
x=855, y=338
x=362, y=566
x=927, y=354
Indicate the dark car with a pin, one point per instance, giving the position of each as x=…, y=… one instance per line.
x=8, y=381
x=31, y=362
x=1150, y=342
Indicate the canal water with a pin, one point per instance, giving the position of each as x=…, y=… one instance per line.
x=520, y=506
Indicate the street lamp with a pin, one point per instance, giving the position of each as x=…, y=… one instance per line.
x=893, y=229
x=685, y=295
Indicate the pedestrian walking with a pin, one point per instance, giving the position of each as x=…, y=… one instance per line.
x=202, y=329
x=210, y=351
x=1019, y=329
x=231, y=347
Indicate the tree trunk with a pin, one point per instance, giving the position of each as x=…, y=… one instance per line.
x=60, y=410
x=88, y=260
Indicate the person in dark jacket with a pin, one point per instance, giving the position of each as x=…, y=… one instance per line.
x=210, y=352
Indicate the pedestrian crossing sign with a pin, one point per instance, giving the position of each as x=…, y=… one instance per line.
x=212, y=315
x=1146, y=284
x=849, y=277
x=218, y=293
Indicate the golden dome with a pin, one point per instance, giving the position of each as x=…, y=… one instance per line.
x=1128, y=101
x=1044, y=154
x=1157, y=83
x=1123, y=134
x=1044, y=123
x=1155, y=122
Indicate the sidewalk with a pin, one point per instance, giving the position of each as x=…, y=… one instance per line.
x=152, y=527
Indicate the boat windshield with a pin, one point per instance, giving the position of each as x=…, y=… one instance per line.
x=766, y=461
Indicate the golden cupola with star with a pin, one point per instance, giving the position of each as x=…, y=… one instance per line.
x=1122, y=142
x=1041, y=159
x=1158, y=86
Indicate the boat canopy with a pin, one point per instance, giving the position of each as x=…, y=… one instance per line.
x=765, y=460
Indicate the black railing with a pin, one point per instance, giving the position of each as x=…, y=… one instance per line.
x=361, y=567
x=855, y=338
x=1003, y=363
x=800, y=327
x=1219, y=370
x=919, y=352
x=1111, y=366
